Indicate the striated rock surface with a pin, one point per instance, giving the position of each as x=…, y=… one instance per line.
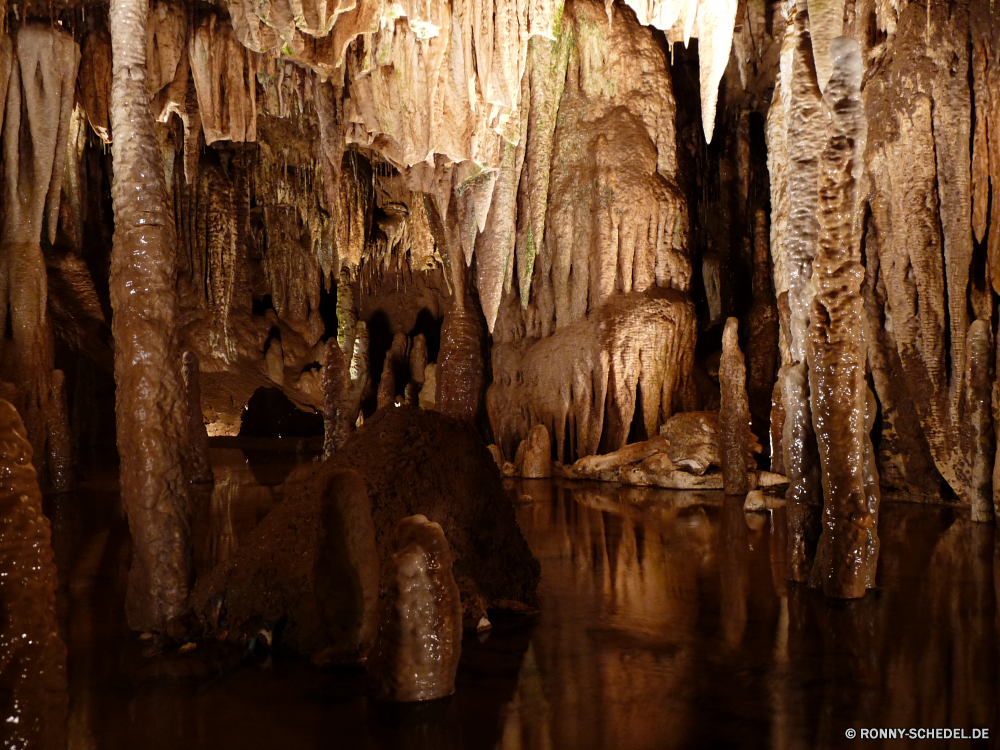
x=416, y=653
x=842, y=406
x=307, y=574
x=151, y=402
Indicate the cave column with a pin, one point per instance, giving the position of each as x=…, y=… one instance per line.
x=150, y=396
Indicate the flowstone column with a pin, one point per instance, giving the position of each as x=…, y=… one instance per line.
x=151, y=401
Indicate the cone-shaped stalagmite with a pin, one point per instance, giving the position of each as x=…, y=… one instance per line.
x=151, y=399
x=734, y=415
x=419, y=640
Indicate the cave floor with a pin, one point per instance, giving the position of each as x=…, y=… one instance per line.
x=664, y=622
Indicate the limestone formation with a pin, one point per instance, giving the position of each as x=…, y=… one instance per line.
x=415, y=657
x=151, y=398
x=537, y=462
x=734, y=415
x=33, y=655
x=311, y=564
x=197, y=468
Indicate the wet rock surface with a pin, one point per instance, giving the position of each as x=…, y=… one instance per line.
x=419, y=642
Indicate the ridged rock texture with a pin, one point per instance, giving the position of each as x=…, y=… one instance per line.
x=599, y=322
x=151, y=399
x=931, y=359
x=415, y=657
x=38, y=70
x=32, y=653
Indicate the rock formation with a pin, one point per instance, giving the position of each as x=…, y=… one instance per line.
x=537, y=460
x=310, y=570
x=734, y=416
x=419, y=641
x=151, y=397
x=33, y=655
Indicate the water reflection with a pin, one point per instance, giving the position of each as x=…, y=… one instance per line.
x=667, y=622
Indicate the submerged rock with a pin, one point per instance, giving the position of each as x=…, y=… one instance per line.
x=308, y=573
x=419, y=641
x=416, y=461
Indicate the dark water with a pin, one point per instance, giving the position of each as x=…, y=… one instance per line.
x=665, y=622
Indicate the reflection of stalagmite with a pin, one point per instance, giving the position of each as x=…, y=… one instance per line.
x=151, y=400
x=734, y=416
x=415, y=657
x=36, y=138
x=843, y=408
x=199, y=470
x=32, y=655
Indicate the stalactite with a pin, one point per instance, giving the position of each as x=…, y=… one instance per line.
x=979, y=436
x=151, y=400
x=419, y=641
x=197, y=466
x=33, y=656
x=842, y=406
x=39, y=100
x=95, y=81
x=216, y=255
x=923, y=216
x=734, y=416
x=224, y=78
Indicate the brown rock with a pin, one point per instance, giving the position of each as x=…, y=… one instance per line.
x=419, y=641
x=537, y=462
x=734, y=414
x=310, y=565
x=693, y=440
x=415, y=461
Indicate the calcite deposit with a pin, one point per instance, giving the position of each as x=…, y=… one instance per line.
x=415, y=657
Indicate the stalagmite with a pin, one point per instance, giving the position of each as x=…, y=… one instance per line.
x=459, y=374
x=387, y=385
x=842, y=406
x=418, y=358
x=806, y=133
x=197, y=466
x=32, y=654
x=977, y=406
x=347, y=315
x=537, y=454
x=151, y=399
x=762, y=340
x=339, y=412
x=416, y=652
x=734, y=415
